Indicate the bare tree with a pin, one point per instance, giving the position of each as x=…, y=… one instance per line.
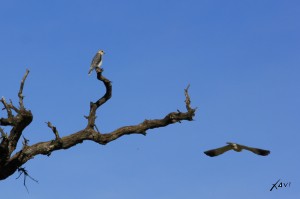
x=18, y=118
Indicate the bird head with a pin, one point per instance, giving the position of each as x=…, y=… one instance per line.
x=229, y=143
x=235, y=146
x=101, y=52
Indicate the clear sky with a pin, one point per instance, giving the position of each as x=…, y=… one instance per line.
x=241, y=59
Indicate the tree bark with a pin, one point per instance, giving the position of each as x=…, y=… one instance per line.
x=19, y=118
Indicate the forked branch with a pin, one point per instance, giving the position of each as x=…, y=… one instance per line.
x=10, y=163
x=54, y=130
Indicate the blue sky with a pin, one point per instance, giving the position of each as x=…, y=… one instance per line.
x=241, y=59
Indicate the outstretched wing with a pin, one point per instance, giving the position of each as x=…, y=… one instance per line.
x=256, y=150
x=218, y=151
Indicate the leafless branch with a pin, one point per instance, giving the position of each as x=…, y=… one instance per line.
x=13, y=107
x=25, y=142
x=94, y=106
x=25, y=173
x=20, y=94
x=53, y=128
x=18, y=123
x=10, y=163
x=6, y=106
x=3, y=134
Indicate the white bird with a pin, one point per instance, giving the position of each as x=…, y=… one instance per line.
x=237, y=148
x=97, y=61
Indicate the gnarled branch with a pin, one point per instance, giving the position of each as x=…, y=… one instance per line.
x=9, y=164
x=94, y=106
x=20, y=94
x=18, y=123
x=53, y=128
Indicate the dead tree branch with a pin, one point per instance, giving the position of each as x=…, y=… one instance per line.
x=3, y=134
x=10, y=163
x=20, y=94
x=18, y=123
x=25, y=173
x=53, y=128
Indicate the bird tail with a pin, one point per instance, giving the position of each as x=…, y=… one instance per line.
x=90, y=71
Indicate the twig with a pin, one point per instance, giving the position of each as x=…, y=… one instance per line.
x=54, y=130
x=22, y=170
x=97, y=128
x=3, y=134
x=6, y=106
x=13, y=107
x=20, y=94
x=25, y=141
x=188, y=101
x=187, y=98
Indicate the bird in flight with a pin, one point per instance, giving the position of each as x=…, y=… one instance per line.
x=235, y=147
x=97, y=61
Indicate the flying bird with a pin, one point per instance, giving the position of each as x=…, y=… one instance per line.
x=237, y=148
x=97, y=61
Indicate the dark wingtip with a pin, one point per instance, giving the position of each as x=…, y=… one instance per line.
x=264, y=152
x=210, y=153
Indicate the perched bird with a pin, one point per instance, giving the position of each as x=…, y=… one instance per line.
x=236, y=147
x=97, y=61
